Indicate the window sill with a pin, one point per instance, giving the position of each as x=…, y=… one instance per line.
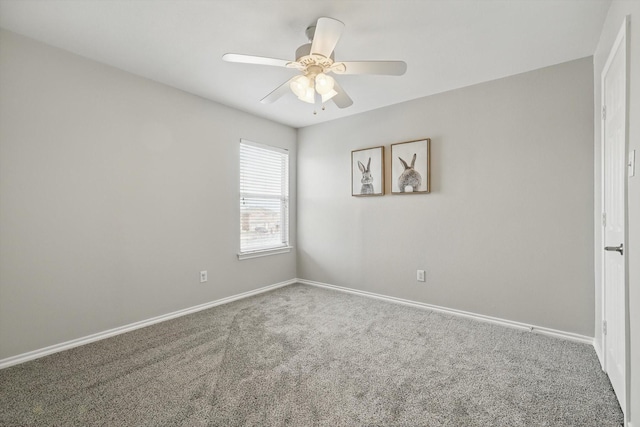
x=265, y=252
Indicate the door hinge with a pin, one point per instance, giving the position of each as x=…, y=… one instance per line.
x=604, y=327
x=604, y=219
x=604, y=112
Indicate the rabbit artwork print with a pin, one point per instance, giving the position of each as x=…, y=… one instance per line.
x=367, y=172
x=367, y=179
x=410, y=180
x=410, y=167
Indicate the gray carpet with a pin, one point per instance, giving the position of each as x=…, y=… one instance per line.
x=306, y=356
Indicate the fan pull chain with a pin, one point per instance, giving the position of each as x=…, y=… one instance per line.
x=315, y=113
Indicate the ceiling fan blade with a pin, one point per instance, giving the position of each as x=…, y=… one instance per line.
x=281, y=90
x=326, y=36
x=389, y=68
x=342, y=100
x=250, y=59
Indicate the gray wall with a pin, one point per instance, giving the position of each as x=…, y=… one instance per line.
x=508, y=228
x=617, y=12
x=115, y=192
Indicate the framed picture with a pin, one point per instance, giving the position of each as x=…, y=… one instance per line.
x=367, y=172
x=410, y=167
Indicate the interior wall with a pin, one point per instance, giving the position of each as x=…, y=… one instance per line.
x=116, y=191
x=507, y=230
x=613, y=22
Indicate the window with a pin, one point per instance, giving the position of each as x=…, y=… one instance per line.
x=264, y=200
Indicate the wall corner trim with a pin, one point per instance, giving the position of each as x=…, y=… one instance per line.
x=36, y=354
x=479, y=317
x=598, y=350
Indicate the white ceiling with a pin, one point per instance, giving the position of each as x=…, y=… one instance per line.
x=446, y=44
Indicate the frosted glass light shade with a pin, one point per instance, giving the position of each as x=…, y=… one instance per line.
x=309, y=96
x=324, y=84
x=299, y=85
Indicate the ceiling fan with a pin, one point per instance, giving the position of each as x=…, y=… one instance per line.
x=315, y=60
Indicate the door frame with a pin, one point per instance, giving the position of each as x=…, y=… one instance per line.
x=621, y=41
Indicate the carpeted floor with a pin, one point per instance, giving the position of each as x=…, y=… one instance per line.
x=306, y=356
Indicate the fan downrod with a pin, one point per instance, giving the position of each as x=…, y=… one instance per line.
x=310, y=32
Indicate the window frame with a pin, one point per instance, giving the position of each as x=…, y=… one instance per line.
x=284, y=197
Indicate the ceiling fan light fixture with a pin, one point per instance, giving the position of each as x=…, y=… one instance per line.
x=324, y=83
x=315, y=60
x=299, y=85
x=309, y=95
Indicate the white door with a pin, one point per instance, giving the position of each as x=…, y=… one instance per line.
x=614, y=118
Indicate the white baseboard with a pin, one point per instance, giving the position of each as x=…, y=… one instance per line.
x=509, y=323
x=25, y=357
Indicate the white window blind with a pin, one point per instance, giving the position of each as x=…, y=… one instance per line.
x=264, y=197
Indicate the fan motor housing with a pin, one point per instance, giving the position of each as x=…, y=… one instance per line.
x=304, y=57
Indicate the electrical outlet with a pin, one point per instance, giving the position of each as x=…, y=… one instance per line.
x=203, y=276
x=420, y=276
